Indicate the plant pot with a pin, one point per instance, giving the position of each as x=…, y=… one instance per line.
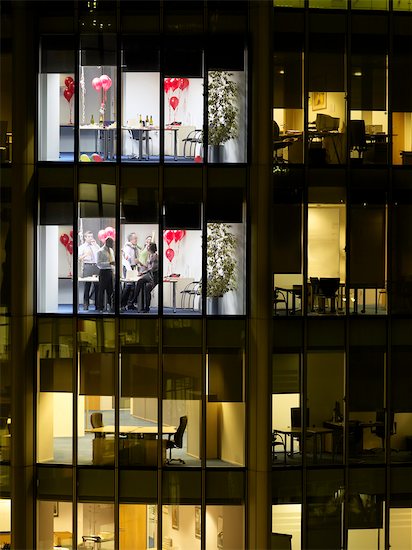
x=214, y=305
x=216, y=153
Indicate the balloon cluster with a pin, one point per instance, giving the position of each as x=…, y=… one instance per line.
x=103, y=83
x=169, y=236
x=67, y=242
x=104, y=234
x=173, y=86
x=68, y=93
x=95, y=157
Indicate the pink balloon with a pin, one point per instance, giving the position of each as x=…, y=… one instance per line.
x=178, y=235
x=102, y=235
x=110, y=232
x=166, y=85
x=198, y=159
x=96, y=157
x=168, y=236
x=170, y=254
x=174, y=102
x=96, y=83
x=71, y=234
x=106, y=82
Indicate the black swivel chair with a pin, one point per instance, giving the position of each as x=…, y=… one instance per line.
x=296, y=422
x=278, y=441
x=328, y=288
x=177, y=441
x=379, y=430
x=279, y=144
x=357, y=139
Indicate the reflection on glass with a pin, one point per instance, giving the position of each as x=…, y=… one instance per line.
x=366, y=525
x=55, y=397
x=181, y=526
x=97, y=269
x=370, y=5
x=5, y=391
x=368, y=137
x=54, y=525
x=182, y=270
x=227, y=116
x=225, y=527
x=95, y=525
x=97, y=113
x=137, y=526
x=400, y=520
x=183, y=108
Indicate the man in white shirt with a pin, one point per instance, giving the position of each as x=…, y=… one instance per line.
x=88, y=256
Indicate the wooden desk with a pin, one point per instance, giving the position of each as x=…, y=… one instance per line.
x=135, y=430
x=317, y=432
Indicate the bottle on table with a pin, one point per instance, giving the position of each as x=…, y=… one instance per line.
x=151, y=121
x=140, y=120
x=147, y=120
x=92, y=119
x=101, y=120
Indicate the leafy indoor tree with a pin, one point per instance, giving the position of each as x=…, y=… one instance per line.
x=221, y=260
x=223, y=108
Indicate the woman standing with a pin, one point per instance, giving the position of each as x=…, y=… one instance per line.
x=106, y=265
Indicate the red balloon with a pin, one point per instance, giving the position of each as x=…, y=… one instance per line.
x=69, y=247
x=174, y=102
x=166, y=85
x=102, y=235
x=71, y=87
x=183, y=83
x=169, y=236
x=64, y=239
x=174, y=84
x=71, y=234
x=198, y=159
x=68, y=80
x=68, y=94
x=110, y=232
x=170, y=254
x=178, y=235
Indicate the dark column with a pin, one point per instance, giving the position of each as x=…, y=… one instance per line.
x=22, y=274
x=259, y=425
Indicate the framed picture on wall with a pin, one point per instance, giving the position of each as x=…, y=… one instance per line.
x=198, y=520
x=175, y=517
x=318, y=101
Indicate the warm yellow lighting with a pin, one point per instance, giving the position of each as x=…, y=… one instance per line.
x=357, y=73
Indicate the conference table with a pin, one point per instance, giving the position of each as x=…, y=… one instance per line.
x=173, y=281
x=142, y=134
x=138, y=431
x=317, y=432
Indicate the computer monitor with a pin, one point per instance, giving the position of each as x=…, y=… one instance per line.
x=326, y=123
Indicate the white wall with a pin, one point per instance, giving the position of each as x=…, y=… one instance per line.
x=183, y=538
x=232, y=518
x=286, y=519
x=401, y=528
x=5, y=515
x=232, y=429
x=48, y=268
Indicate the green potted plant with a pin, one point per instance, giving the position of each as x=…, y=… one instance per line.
x=223, y=112
x=221, y=263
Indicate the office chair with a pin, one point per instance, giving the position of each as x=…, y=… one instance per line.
x=314, y=284
x=281, y=541
x=357, y=138
x=278, y=441
x=296, y=422
x=279, y=144
x=96, y=420
x=379, y=430
x=193, y=139
x=177, y=441
x=328, y=288
x=280, y=298
x=137, y=135
x=190, y=292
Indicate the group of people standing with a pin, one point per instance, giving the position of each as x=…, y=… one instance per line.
x=100, y=261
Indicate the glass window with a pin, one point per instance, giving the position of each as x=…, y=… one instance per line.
x=57, y=89
x=401, y=295
x=96, y=246
x=137, y=526
x=140, y=100
x=95, y=524
x=326, y=250
x=227, y=100
x=55, y=243
x=97, y=99
x=96, y=412
x=54, y=524
x=181, y=526
x=55, y=391
x=400, y=417
x=5, y=390
x=286, y=509
x=370, y=5
x=225, y=526
x=402, y=5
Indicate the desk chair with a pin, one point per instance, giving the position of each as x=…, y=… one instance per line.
x=314, y=284
x=177, y=441
x=296, y=422
x=281, y=541
x=278, y=441
x=379, y=430
x=190, y=292
x=137, y=135
x=279, y=144
x=328, y=288
x=280, y=298
x=357, y=138
x=191, y=143
x=96, y=420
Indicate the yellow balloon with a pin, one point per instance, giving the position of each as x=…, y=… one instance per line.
x=84, y=158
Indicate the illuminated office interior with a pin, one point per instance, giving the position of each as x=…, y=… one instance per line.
x=200, y=201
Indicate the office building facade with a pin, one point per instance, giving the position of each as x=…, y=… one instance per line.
x=205, y=275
